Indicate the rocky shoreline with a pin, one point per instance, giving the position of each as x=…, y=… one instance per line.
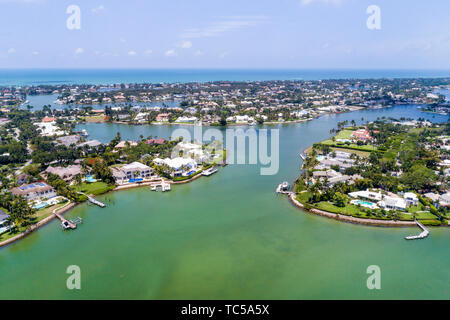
x=350, y=219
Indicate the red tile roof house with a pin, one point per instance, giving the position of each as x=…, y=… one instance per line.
x=362, y=134
x=155, y=141
x=162, y=117
x=48, y=119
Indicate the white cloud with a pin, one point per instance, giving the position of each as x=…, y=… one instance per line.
x=122, y=39
x=98, y=9
x=198, y=53
x=307, y=2
x=148, y=52
x=35, y=53
x=228, y=24
x=79, y=51
x=132, y=53
x=223, y=54
x=170, y=53
x=186, y=45
x=11, y=51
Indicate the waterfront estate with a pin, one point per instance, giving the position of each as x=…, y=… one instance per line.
x=44, y=173
x=48, y=165
x=386, y=170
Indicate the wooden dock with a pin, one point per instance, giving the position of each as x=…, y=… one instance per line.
x=422, y=235
x=65, y=223
x=96, y=202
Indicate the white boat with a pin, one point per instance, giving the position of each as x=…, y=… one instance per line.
x=209, y=171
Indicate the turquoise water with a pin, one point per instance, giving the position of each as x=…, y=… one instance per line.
x=320, y=158
x=111, y=76
x=90, y=179
x=364, y=202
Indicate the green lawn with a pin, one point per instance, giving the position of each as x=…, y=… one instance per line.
x=348, y=210
x=355, y=211
x=362, y=154
x=344, y=134
x=38, y=216
x=94, y=188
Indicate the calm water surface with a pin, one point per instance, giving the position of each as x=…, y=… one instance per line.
x=226, y=236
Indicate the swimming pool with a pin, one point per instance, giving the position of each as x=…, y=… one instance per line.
x=190, y=172
x=366, y=204
x=41, y=205
x=320, y=158
x=90, y=179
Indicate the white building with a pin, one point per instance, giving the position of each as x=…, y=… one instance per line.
x=411, y=199
x=49, y=129
x=391, y=203
x=366, y=194
x=177, y=163
x=34, y=191
x=186, y=119
x=131, y=171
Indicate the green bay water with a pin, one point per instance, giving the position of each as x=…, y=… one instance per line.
x=227, y=236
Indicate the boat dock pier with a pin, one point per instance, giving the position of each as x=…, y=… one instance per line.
x=163, y=185
x=283, y=188
x=422, y=235
x=94, y=201
x=302, y=156
x=209, y=171
x=65, y=223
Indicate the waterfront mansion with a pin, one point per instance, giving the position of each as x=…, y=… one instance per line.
x=34, y=191
x=131, y=172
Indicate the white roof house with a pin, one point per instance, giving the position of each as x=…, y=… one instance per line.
x=444, y=199
x=411, y=198
x=49, y=128
x=176, y=163
x=432, y=196
x=391, y=203
x=366, y=194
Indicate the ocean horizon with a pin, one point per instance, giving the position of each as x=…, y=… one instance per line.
x=29, y=77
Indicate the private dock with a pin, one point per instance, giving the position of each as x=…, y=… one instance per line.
x=302, y=156
x=65, y=224
x=283, y=188
x=163, y=185
x=96, y=202
x=209, y=171
x=422, y=235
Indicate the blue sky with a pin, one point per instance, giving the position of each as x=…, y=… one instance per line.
x=225, y=34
